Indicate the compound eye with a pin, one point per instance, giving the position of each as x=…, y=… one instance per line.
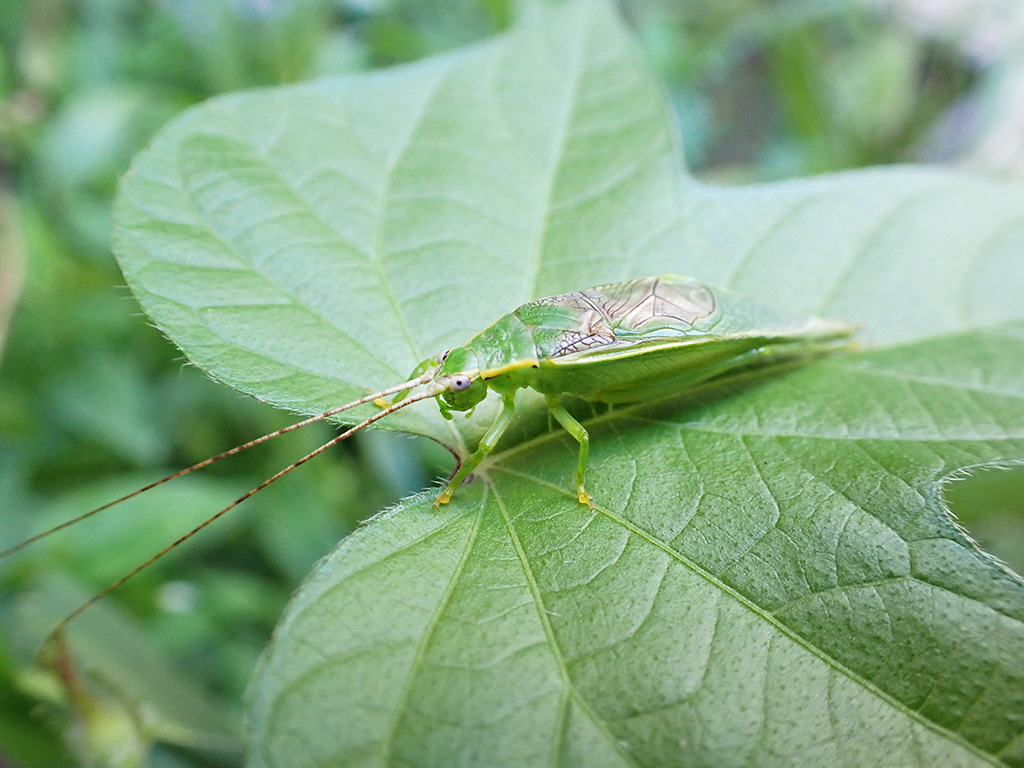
x=444, y=355
x=459, y=383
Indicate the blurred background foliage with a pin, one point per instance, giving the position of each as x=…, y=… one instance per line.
x=94, y=402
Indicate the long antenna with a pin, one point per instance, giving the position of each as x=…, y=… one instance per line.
x=58, y=631
x=207, y=462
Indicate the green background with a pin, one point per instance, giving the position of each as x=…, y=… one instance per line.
x=94, y=402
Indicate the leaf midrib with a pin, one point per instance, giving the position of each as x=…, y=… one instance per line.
x=565, y=120
x=756, y=610
x=401, y=703
x=549, y=633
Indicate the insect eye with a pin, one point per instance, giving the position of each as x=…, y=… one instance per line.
x=443, y=356
x=459, y=383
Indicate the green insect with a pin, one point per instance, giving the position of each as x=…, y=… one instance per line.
x=619, y=343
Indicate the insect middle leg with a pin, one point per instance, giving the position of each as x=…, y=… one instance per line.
x=487, y=443
x=577, y=430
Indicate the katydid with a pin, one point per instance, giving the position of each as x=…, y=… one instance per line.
x=633, y=341
x=617, y=343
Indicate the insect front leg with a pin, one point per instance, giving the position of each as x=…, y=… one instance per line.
x=427, y=365
x=577, y=430
x=487, y=443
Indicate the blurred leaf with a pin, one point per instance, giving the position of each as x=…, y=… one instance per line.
x=990, y=503
x=110, y=545
x=115, y=409
x=872, y=86
x=298, y=538
x=252, y=42
x=23, y=742
x=123, y=673
x=87, y=146
x=12, y=264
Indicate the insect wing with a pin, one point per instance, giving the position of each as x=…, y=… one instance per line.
x=670, y=333
x=651, y=304
x=616, y=314
x=564, y=325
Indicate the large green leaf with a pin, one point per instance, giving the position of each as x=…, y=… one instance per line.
x=769, y=575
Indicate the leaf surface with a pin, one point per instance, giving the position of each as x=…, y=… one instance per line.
x=769, y=576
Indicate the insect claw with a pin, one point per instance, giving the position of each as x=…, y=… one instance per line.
x=584, y=497
x=443, y=498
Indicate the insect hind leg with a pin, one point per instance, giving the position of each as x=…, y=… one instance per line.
x=579, y=432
